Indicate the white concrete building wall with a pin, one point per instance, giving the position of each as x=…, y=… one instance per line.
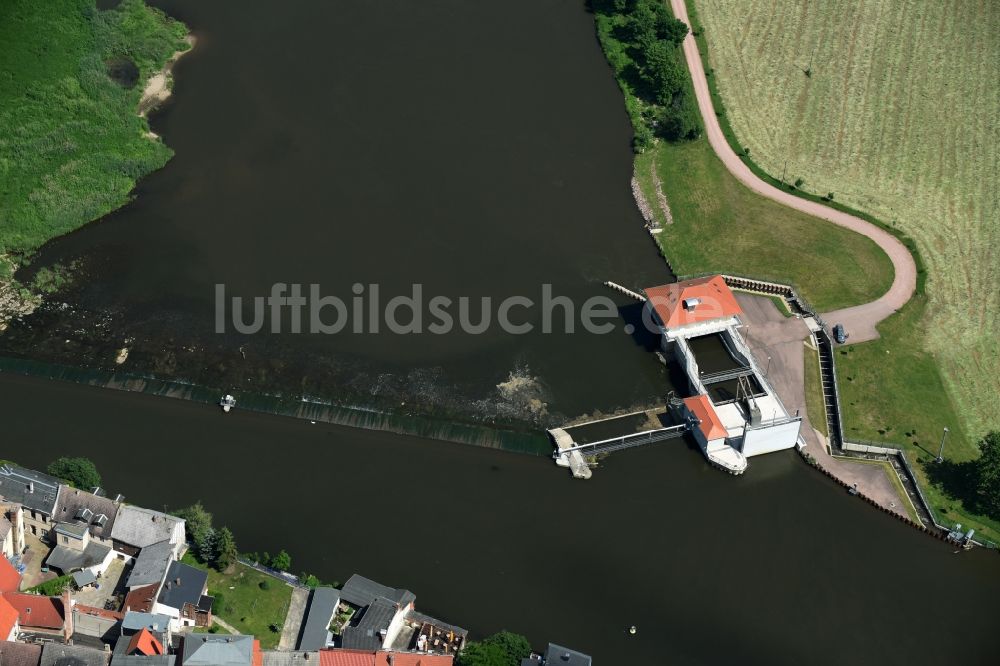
x=768, y=439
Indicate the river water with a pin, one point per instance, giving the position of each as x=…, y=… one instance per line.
x=777, y=566
x=480, y=149
x=457, y=145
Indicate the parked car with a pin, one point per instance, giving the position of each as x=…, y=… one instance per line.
x=839, y=334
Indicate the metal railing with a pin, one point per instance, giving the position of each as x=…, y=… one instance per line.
x=625, y=441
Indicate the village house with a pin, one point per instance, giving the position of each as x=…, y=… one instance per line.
x=20, y=654
x=219, y=650
x=99, y=623
x=59, y=654
x=382, y=618
x=95, y=511
x=136, y=528
x=35, y=492
x=315, y=632
x=381, y=658
x=9, y=627
x=142, y=648
x=150, y=566
x=183, y=597
x=75, y=549
x=11, y=529
x=557, y=655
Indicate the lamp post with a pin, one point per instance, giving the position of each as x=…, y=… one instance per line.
x=944, y=436
x=767, y=372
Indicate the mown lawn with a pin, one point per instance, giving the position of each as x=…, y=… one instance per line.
x=721, y=226
x=894, y=107
x=72, y=145
x=891, y=391
x=243, y=603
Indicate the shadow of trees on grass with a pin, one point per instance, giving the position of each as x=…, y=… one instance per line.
x=958, y=479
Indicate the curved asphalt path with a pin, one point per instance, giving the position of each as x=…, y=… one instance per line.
x=860, y=320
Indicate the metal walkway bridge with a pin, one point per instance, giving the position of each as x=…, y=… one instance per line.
x=625, y=441
x=725, y=375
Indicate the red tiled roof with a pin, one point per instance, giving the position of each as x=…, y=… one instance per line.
x=411, y=659
x=98, y=612
x=711, y=425
x=337, y=657
x=37, y=611
x=258, y=657
x=141, y=599
x=8, y=618
x=145, y=644
x=715, y=301
x=10, y=580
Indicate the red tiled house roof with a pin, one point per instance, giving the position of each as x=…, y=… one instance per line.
x=36, y=611
x=8, y=620
x=10, y=580
x=710, y=296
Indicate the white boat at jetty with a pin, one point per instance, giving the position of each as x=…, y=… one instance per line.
x=227, y=403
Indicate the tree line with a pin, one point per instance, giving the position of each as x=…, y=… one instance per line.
x=641, y=40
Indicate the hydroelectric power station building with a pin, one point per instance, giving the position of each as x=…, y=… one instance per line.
x=733, y=411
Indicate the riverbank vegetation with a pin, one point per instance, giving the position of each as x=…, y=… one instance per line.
x=504, y=648
x=641, y=39
x=73, y=145
x=77, y=472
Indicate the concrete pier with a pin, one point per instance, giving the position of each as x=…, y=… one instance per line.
x=573, y=459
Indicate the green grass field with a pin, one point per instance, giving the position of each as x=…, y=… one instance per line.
x=721, y=226
x=72, y=146
x=898, y=116
x=245, y=605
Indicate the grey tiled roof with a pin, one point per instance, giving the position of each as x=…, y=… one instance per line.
x=57, y=654
x=68, y=559
x=217, y=650
x=557, y=655
x=72, y=500
x=19, y=654
x=364, y=634
x=155, y=622
x=29, y=488
x=142, y=660
x=361, y=591
x=184, y=585
x=142, y=527
x=283, y=658
x=323, y=603
x=151, y=564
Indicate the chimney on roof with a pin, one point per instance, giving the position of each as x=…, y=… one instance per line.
x=691, y=303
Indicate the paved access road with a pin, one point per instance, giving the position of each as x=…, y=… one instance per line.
x=860, y=320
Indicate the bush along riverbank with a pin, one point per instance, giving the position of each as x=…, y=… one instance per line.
x=74, y=144
x=641, y=40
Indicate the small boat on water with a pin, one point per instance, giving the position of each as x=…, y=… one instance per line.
x=227, y=403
